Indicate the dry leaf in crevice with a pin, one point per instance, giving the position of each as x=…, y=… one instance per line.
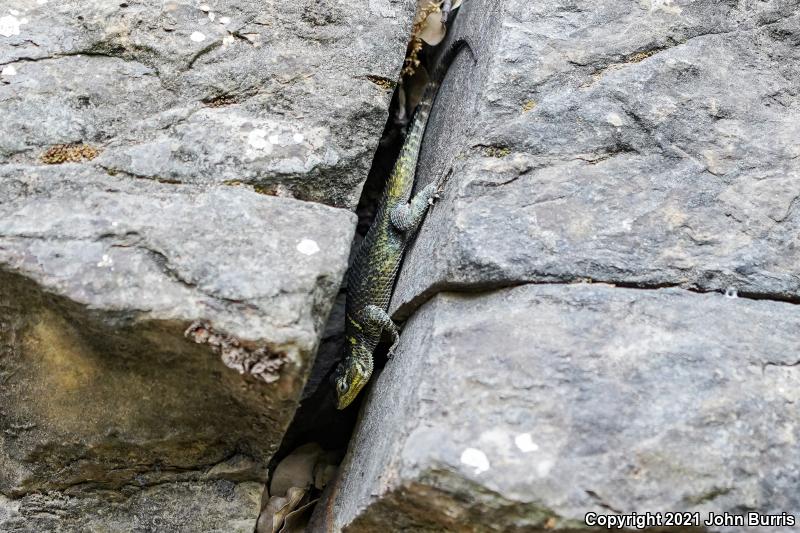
x=432, y=30
x=324, y=474
x=428, y=28
x=297, y=520
x=429, y=24
x=266, y=520
x=294, y=487
x=424, y=10
x=296, y=469
x=280, y=507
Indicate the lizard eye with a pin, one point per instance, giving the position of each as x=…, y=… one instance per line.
x=342, y=386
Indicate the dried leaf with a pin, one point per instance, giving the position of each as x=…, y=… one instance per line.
x=278, y=508
x=290, y=507
x=296, y=470
x=297, y=520
x=433, y=31
x=323, y=475
x=266, y=522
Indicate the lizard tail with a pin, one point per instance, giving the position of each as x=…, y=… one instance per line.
x=411, y=147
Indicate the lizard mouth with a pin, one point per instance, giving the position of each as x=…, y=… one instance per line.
x=347, y=398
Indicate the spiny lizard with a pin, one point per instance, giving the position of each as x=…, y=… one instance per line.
x=377, y=262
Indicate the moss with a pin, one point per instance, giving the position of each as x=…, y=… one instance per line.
x=69, y=153
x=383, y=83
x=496, y=151
x=269, y=190
x=221, y=100
x=640, y=56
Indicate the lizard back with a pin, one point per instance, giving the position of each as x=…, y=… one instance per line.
x=372, y=276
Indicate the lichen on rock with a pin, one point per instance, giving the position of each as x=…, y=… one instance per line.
x=261, y=362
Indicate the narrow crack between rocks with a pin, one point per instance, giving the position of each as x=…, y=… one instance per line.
x=407, y=309
x=317, y=420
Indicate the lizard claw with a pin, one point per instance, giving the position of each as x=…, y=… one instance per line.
x=392, y=349
x=432, y=199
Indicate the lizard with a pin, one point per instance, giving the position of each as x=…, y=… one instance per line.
x=372, y=275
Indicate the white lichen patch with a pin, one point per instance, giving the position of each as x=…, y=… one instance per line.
x=525, y=443
x=212, y=16
x=257, y=138
x=260, y=362
x=224, y=20
x=228, y=40
x=10, y=25
x=614, y=119
x=105, y=261
x=285, y=139
x=667, y=6
x=475, y=458
x=197, y=37
x=8, y=70
x=307, y=247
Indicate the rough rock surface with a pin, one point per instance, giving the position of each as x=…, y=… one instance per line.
x=286, y=96
x=172, y=130
x=646, y=143
x=101, y=276
x=577, y=398
x=186, y=507
x=649, y=145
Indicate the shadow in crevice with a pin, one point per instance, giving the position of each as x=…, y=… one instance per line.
x=317, y=420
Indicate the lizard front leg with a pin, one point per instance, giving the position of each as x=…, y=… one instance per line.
x=379, y=320
x=407, y=217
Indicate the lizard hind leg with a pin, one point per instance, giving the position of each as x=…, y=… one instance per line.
x=379, y=320
x=406, y=218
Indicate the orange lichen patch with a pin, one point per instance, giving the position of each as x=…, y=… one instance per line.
x=530, y=105
x=640, y=56
x=69, y=153
x=380, y=81
x=221, y=100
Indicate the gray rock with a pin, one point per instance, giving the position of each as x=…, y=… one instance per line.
x=525, y=408
x=259, y=267
x=188, y=507
x=102, y=396
x=643, y=143
x=288, y=96
x=111, y=419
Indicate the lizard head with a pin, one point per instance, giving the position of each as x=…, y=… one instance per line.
x=351, y=376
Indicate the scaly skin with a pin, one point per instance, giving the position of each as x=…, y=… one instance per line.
x=374, y=270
